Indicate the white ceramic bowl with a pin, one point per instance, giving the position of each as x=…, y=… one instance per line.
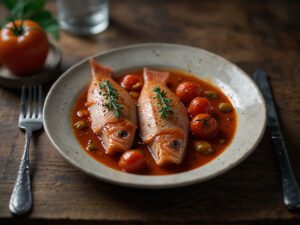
x=243, y=93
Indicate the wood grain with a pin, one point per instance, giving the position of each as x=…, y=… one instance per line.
x=252, y=34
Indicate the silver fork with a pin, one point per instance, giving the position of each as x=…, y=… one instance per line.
x=30, y=120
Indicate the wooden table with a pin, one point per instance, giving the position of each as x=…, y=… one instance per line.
x=252, y=34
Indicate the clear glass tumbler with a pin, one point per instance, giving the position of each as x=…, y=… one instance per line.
x=83, y=17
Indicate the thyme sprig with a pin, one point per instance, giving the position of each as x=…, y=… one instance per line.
x=112, y=95
x=164, y=103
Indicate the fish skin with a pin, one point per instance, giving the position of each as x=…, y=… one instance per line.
x=104, y=122
x=157, y=132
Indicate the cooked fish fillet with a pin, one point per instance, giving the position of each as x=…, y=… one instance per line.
x=117, y=132
x=166, y=137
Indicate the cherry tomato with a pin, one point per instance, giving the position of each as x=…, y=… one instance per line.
x=132, y=82
x=199, y=105
x=188, y=90
x=23, y=47
x=132, y=161
x=204, y=126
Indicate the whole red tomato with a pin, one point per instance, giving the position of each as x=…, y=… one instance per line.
x=132, y=161
x=188, y=90
x=23, y=47
x=132, y=82
x=204, y=126
x=199, y=105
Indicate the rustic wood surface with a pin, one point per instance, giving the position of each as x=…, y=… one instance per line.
x=252, y=34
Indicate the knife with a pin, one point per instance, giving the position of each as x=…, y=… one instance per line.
x=291, y=191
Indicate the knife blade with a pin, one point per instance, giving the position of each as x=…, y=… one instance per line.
x=290, y=187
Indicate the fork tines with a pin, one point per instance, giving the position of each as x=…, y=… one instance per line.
x=31, y=102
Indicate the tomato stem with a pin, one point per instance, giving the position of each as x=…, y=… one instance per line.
x=17, y=30
x=204, y=121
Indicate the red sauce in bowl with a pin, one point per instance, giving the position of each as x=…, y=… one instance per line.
x=227, y=123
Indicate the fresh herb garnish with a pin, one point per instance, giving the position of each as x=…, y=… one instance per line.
x=111, y=94
x=164, y=103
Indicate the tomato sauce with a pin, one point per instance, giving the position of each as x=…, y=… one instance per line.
x=227, y=123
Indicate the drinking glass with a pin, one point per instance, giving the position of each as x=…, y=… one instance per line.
x=83, y=17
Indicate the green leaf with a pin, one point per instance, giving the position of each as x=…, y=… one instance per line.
x=48, y=22
x=2, y=22
x=24, y=9
x=33, y=7
x=9, y=4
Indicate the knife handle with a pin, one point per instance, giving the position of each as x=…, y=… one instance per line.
x=291, y=190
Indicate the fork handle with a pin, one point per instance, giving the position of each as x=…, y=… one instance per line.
x=21, y=197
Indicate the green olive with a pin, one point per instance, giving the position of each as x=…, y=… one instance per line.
x=134, y=94
x=91, y=146
x=224, y=107
x=211, y=94
x=204, y=147
x=81, y=124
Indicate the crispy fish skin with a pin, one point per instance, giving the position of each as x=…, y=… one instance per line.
x=117, y=133
x=166, y=137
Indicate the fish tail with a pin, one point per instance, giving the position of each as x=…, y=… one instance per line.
x=99, y=70
x=151, y=75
